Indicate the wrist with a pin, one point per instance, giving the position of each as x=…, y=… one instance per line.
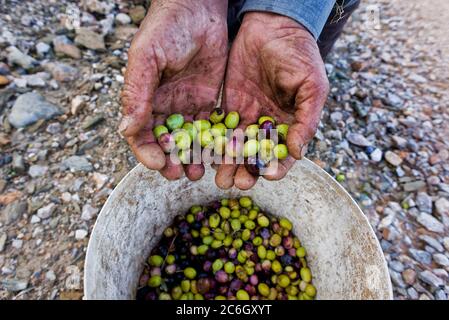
x=275, y=23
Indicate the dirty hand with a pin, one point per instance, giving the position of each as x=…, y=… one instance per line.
x=275, y=69
x=176, y=64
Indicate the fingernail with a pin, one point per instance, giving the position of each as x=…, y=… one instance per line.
x=124, y=124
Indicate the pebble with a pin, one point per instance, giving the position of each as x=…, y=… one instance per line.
x=17, y=243
x=430, y=222
x=409, y=276
x=3, y=238
x=412, y=293
x=432, y=242
x=4, y=81
x=65, y=47
x=441, y=259
x=50, y=276
x=100, y=180
x=15, y=56
x=76, y=163
x=446, y=243
x=47, y=211
x=376, y=155
x=125, y=33
x=14, y=285
x=123, y=19
x=90, y=39
x=13, y=211
x=442, y=206
x=88, y=212
x=61, y=71
x=424, y=202
x=440, y=295
x=35, y=219
x=399, y=142
x=78, y=103
x=31, y=107
x=80, y=234
x=137, y=14
x=421, y=256
x=42, y=48
x=431, y=279
x=414, y=186
x=37, y=170
x=358, y=140
x=392, y=158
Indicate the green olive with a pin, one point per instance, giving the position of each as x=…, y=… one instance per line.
x=232, y=120
x=174, y=121
x=280, y=151
x=159, y=130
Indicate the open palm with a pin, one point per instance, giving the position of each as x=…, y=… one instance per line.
x=275, y=69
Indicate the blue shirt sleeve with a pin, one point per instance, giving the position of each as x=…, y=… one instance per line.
x=312, y=14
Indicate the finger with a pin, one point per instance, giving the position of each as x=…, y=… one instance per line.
x=146, y=149
x=172, y=170
x=307, y=115
x=194, y=172
x=277, y=170
x=141, y=80
x=243, y=179
x=224, y=178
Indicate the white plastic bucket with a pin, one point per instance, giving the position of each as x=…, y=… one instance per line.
x=343, y=252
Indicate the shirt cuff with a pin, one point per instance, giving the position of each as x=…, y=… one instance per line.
x=312, y=14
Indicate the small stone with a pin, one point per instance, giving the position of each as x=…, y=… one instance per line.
x=432, y=242
x=392, y=158
x=4, y=81
x=440, y=295
x=31, y=107
x=414, y=186
x=3, y=238
x=358, y=140
x=446, y=243
x=421, y=256
x=37, y=171
x=61, y=71
x=396, y=266
x=441, y=259
x=137, y=14
x=100, y=180
x=76, y=163
x=397, y=279
x=424, y=202
x=64, y=46
x=10, y=197
x=14, y=285
x=409, y=276
x=18, y=163
x=47, y=211
x=91, y=121
x=376, y=155
x=125, y=32
x=54, y=128
x=17, y=243
x=78, y=103
x=122, y=18
x=88, y=212
x=80, y=234
x=442, y=206
x=66, y=197
x=50, y=276
x=13, y=212
x=42, y=48
x=90, y=39
x=412, y=293
x=15, y=56
x=400, y=142
x=35, y=219
x=431, y=279
x=430, y=222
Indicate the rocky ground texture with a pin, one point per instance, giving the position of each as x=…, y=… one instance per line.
x=384, y=136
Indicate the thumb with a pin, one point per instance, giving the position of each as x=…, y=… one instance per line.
x=141, y=81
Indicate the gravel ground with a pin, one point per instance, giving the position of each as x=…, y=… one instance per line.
x=384, y=136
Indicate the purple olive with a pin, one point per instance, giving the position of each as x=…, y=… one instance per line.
x=207, y=266
x=254, y=280
x=155, y=271
x=232, y=253
x=222, y=290
x=170, y=269
x=235, y=285
x=287, y=242
x=265, y=233
x=143, y=279
x=203, y=285
x=221, y=276
x=292, y=252
x=167, y=142
x=267, y=126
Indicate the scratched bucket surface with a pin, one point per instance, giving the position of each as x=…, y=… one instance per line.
x=343, y=252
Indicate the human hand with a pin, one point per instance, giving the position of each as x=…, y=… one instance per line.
x=176, y=64
x=274, y=69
